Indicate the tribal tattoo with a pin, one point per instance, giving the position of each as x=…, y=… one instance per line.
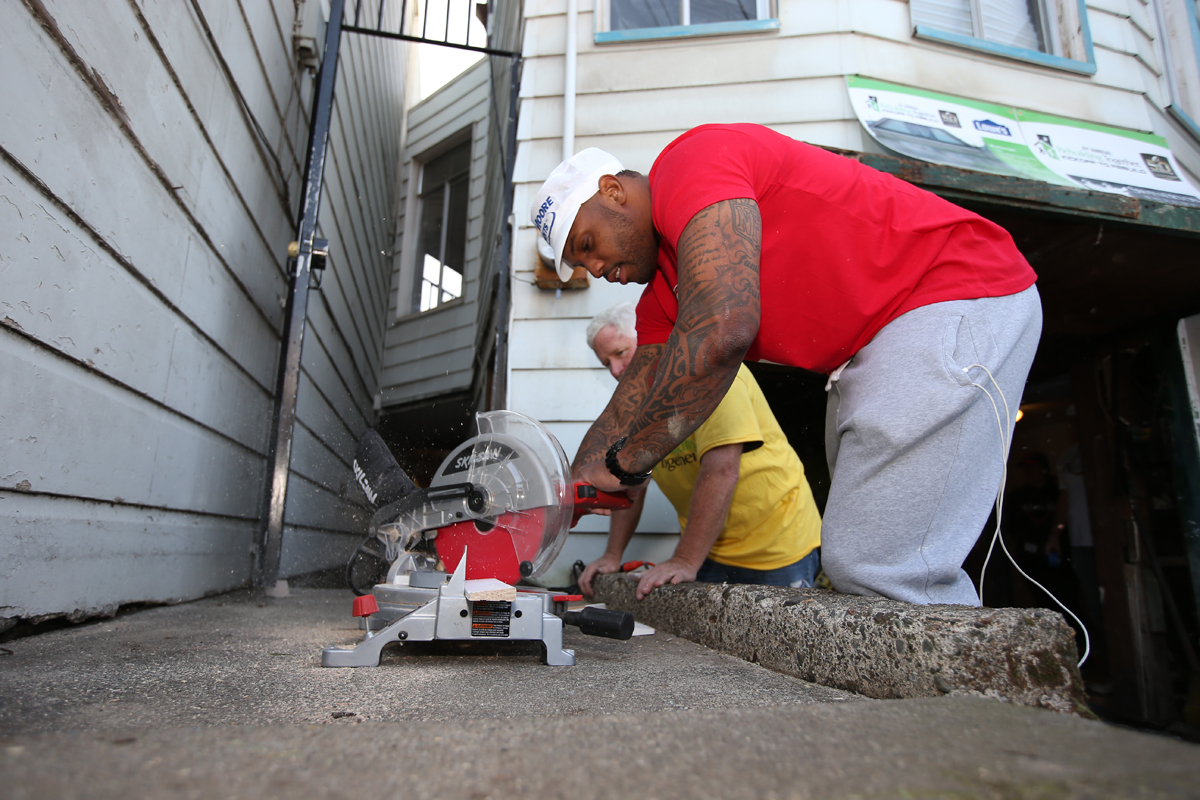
x=719, y=308
x=631, y=390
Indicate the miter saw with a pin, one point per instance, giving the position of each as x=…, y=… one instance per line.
x=497, y=510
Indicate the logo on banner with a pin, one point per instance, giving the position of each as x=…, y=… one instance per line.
x=1159, y=167
x=987, y=126
x=1043, y=146
x=949, y=119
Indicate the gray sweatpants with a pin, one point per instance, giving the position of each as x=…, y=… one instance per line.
x=914, y=449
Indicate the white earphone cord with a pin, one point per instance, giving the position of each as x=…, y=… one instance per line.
x=1004, y=444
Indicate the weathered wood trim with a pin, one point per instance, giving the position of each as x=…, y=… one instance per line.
x=964, y=184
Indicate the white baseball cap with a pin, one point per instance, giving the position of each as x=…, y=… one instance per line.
x=570, y=185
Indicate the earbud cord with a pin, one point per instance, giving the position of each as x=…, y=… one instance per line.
x=1004, y=445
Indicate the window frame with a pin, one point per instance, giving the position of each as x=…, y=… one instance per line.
x=412, y=258
x=1190, y=121
x=1087, y=67
x=768, y=20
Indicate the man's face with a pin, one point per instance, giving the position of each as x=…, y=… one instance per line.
x=613, y=242
x=614, y=349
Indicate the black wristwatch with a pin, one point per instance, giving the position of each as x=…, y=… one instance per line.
x=626, y=478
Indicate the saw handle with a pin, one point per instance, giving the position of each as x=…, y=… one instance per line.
x=588, y=497
x=601, y=622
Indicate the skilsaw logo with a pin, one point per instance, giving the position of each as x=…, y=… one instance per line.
x=479, y=454
x=362, y=481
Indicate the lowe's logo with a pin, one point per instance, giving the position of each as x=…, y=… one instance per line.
x=987, y=126
x=545, y=220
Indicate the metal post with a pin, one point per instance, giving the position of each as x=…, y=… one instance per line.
x=279, y=454
x=499, y=398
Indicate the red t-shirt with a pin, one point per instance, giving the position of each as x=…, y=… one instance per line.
x=845, y=248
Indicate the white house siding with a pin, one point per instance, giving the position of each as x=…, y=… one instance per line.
x=431, y=353
x=150, y=165
x=634, y=98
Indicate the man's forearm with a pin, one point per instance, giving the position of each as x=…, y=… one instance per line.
x=718, y=318
x=618, y=414
x=711, y=500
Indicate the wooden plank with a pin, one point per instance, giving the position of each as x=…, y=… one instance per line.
x=62, y=555
x=428, y=323
x=347, y=302
x=678, y=109
x=437, y=351
x=62, y=289
x=160, y=117
x=446, y=113
x=252, y=78
x=435, y=386
x=552, y=344
x=462, y=112
x=451, y=93
x=316, y=507
x=453, y=369
x=318, y=463
x=319, y=416
x=70, y=118
x=1112, y=31
x=344, y=387
x=316, y=366
x=73, y=433
x=716, y=64
x=359, y=380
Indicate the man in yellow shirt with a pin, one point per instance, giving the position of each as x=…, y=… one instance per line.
x=746, y=512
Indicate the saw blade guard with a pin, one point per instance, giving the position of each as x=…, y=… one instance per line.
x=528, y=478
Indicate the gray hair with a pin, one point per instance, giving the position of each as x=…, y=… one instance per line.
x=622, y=316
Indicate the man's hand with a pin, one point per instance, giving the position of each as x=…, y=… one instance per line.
x=595, y=473
x=672, y=571
x=601, y=566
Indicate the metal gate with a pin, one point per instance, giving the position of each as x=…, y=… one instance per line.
x=307, y=253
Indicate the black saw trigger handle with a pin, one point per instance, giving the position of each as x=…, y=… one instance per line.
x=601, y=622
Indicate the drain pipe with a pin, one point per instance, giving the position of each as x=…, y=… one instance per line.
x=569, y=80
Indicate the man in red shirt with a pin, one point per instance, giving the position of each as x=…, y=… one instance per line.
x=756, y=246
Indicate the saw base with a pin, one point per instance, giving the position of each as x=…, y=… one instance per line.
x=420, y=614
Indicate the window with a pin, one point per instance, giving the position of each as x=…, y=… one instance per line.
x=1017, y=23
x=1181, y=43
x=632, y=20
x=442, y=231
x=1049, y=32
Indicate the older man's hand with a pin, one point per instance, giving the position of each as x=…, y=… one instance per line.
x=601, y=566
x=671, y=571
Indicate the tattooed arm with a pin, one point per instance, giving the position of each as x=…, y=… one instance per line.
x=718, y=319
x=618, y=415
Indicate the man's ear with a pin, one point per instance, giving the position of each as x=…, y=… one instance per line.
x=611, y=187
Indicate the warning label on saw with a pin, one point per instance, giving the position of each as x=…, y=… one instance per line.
x=491, y=618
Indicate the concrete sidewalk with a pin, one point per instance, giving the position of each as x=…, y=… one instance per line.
x=225, y=698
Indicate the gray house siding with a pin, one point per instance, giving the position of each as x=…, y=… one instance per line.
x=325, y=515
x=150, y=167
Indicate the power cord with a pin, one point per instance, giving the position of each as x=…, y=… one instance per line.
x=1004, y=445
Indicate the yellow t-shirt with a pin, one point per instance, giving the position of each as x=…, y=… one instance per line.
x=773, y=519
